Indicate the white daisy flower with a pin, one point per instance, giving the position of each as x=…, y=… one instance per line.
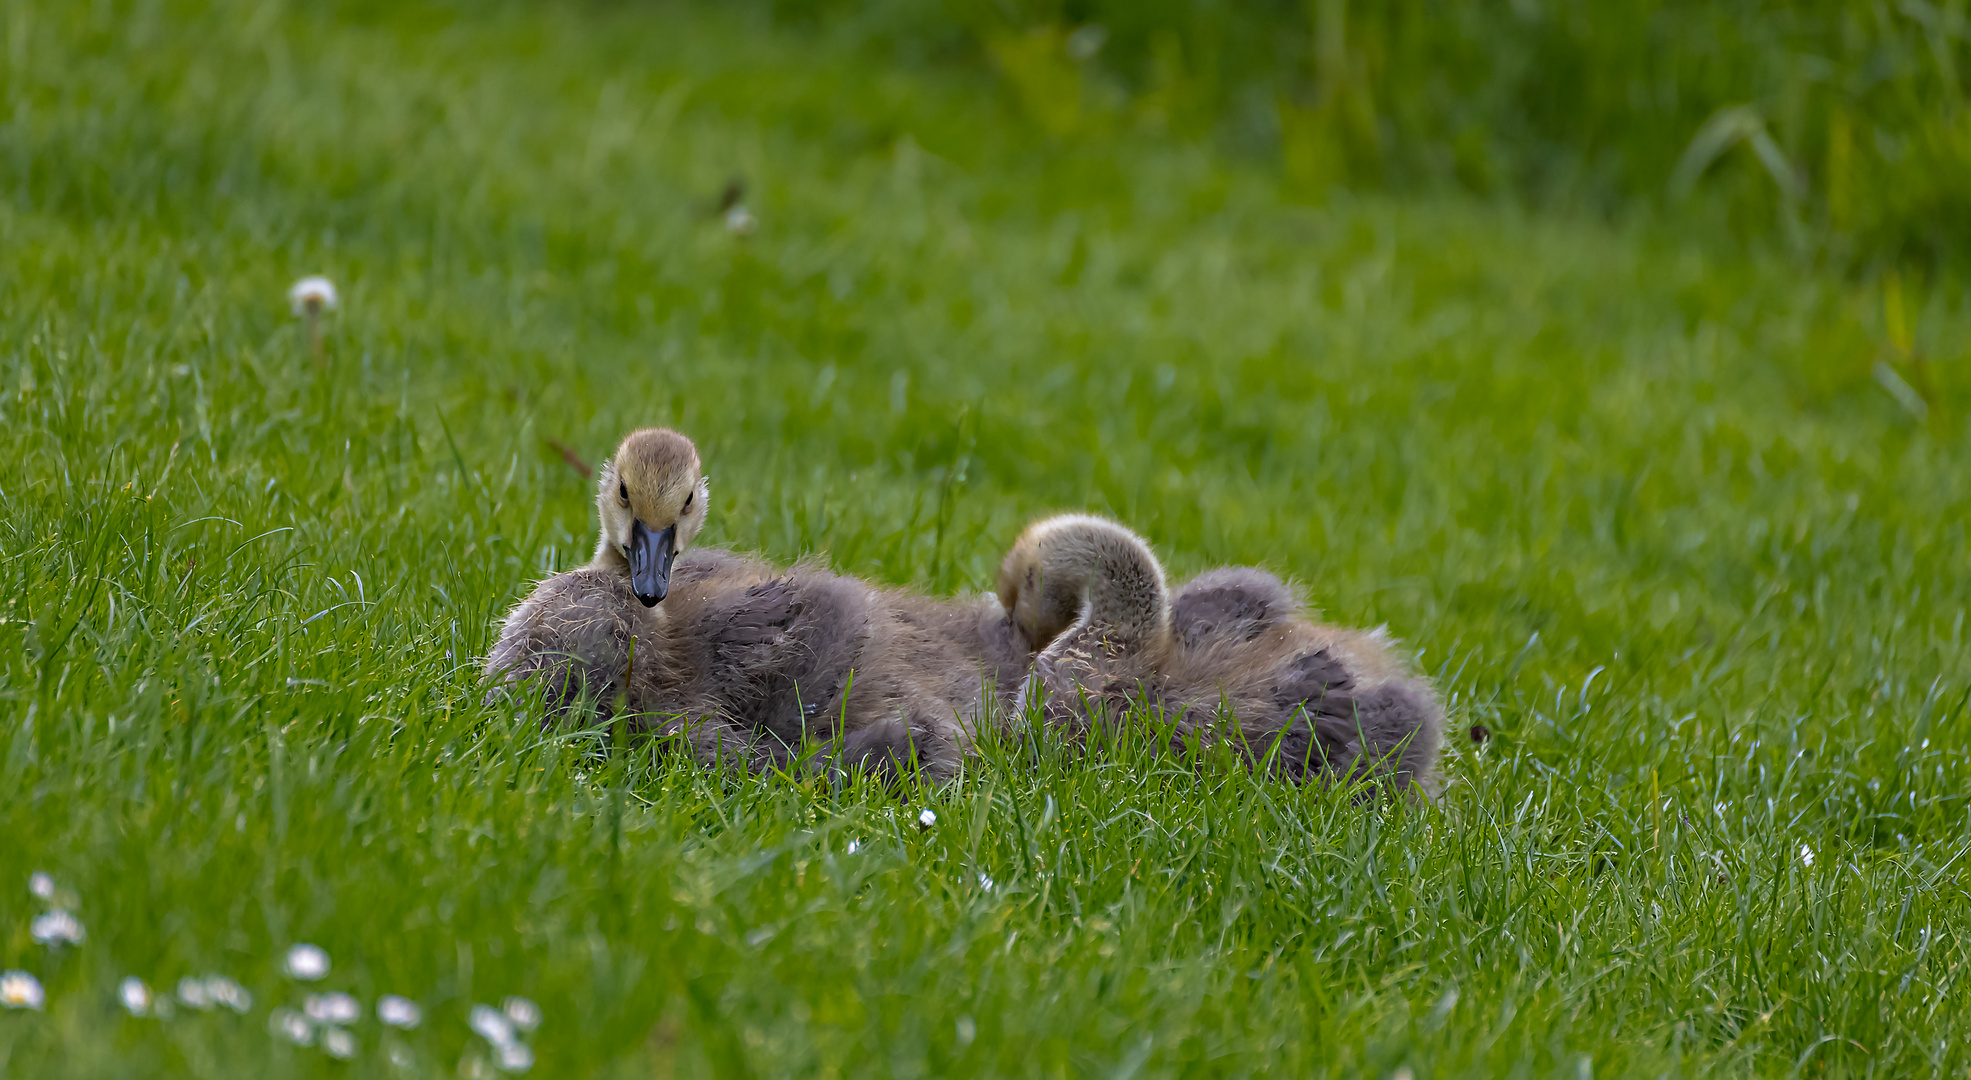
x=1806, y=855
x=136, y=997
x=338, y=1043
x=491, y=1024
x=398, y=1012
x=335, y=1007
x=985, y=881
x=312, y=295
x=20, y=990
x=515, y=1058
x=306, y=962
x=292, y=1026
x=56, y=927
x=927, y=818
x=41, y=884
x=523, y=1012
x=219, y=990
x=192, y=992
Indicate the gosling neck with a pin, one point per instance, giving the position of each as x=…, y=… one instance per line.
x=609, y=557
x=1118, y=582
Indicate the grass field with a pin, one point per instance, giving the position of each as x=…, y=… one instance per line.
x=1637, y=498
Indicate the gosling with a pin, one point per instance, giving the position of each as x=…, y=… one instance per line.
x=743, y=662
x=1229, y=654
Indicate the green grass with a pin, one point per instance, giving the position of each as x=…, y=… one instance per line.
x=1635, y=499
x=1834, y=127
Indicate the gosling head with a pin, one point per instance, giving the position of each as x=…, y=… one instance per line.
x=651, y=501
x=1041, y=613
x=1065, y=567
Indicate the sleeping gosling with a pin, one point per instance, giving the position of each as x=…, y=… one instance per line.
x=1229, y=654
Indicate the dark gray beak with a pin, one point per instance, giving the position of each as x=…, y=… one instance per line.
x=650, y=562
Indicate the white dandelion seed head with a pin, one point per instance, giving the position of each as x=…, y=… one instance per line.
x=523, y=1012
x=515, y=1058
x=338, y=1043
x=41, y=884
x=20, y=990
x=306, y=962
x=313, y=293
x=1806, y=855
x=56, y=927
x=334, y=1007
x=926, y=818
x=399, y=1012
x=219, y=990
x=136, y=997
x=292, y=1026
x=491, y=1024
x=191, y=991
x=739, y=221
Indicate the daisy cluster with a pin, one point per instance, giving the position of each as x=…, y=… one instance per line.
x=56, y=927
x=326, y=1019
x=504, y=1030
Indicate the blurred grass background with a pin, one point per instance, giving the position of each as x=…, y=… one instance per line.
x=1674, y=511
x=1836, y=129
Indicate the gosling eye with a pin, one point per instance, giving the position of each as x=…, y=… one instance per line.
x=623, y=492
x=687, y=501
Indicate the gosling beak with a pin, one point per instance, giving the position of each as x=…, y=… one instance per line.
x=650, y=562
